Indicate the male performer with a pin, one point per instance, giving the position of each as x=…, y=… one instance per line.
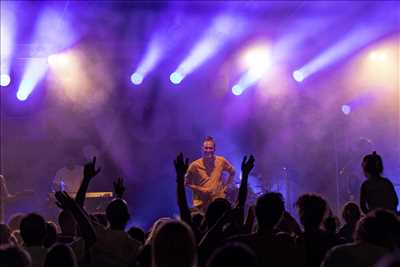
x=205, y=176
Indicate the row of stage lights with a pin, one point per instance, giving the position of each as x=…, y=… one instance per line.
x=256, y=61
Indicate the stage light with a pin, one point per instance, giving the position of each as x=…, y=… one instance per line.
x=54, y=39
x=61, y=60
x=378, y=56
x=298, y=76
x=22, y=96
x=257, y=57
x=353, y=41
x=237, y=90
x=176, y=77
x=223, y=29
x=136, y=78
x=34, y=73
x=8, y=28
x=346, y=109
x=150, y=60
x=5, y=79
x=257, y=61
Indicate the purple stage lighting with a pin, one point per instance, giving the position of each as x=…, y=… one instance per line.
x=5, y=80
x=354, y=40
x=136, y=78
x=151, y=58
x=223, y=29
x=298, y=76
x=176, y=77
x=237, y=90
x=8, y=28
x=55, y=38
x=34, y=73
x=346, y=109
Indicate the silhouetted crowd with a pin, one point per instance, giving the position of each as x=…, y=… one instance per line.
x=226, y=235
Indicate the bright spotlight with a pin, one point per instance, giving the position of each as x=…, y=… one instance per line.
x=34, y=73
x=137, y=78
x=298, y=76
x=223, y=29
x=346, y=109
x=378, y=56
x=8, y=27
x=176, y=77
x=256, y=57
x=237, y=90
x=52, y=59
x=59, y=60
x=22, y=96
x=5, y=79
x=350, y=43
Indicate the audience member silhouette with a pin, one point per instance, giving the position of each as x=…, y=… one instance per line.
x=114, y=247
x=68, y=227
x=60, y=255
x=174, y=245
x=313, y=243
x=330, y=225
x=51, y=235
x=288, y=224
x=377, y=191
x=5, y=234
x=351, y=214
x=33, y=233
x=215, y=210
x=14, y=256
x=137, y=233
x=373, y=239
x=271, y=249
x=144, y=258
x=233, y=255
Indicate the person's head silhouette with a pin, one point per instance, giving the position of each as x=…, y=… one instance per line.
x=33, y=230
x=269, y=210
x=372, y=165
x=117, y=214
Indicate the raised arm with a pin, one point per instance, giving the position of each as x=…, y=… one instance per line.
x=181, y=167
x=246, y=167
x=230, y=170
x=89, y=171
x=65, y=202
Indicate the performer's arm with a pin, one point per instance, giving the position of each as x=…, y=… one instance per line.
x=231, y=171
x=190, y=174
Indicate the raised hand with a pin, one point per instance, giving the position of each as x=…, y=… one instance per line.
x=119, y=187
x=89, y=170
x=181, y=165
x=247, y=165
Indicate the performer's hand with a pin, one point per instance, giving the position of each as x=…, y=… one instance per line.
x=181, y=166
x=247, y=165
x=119, y=187
x=89, y=170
